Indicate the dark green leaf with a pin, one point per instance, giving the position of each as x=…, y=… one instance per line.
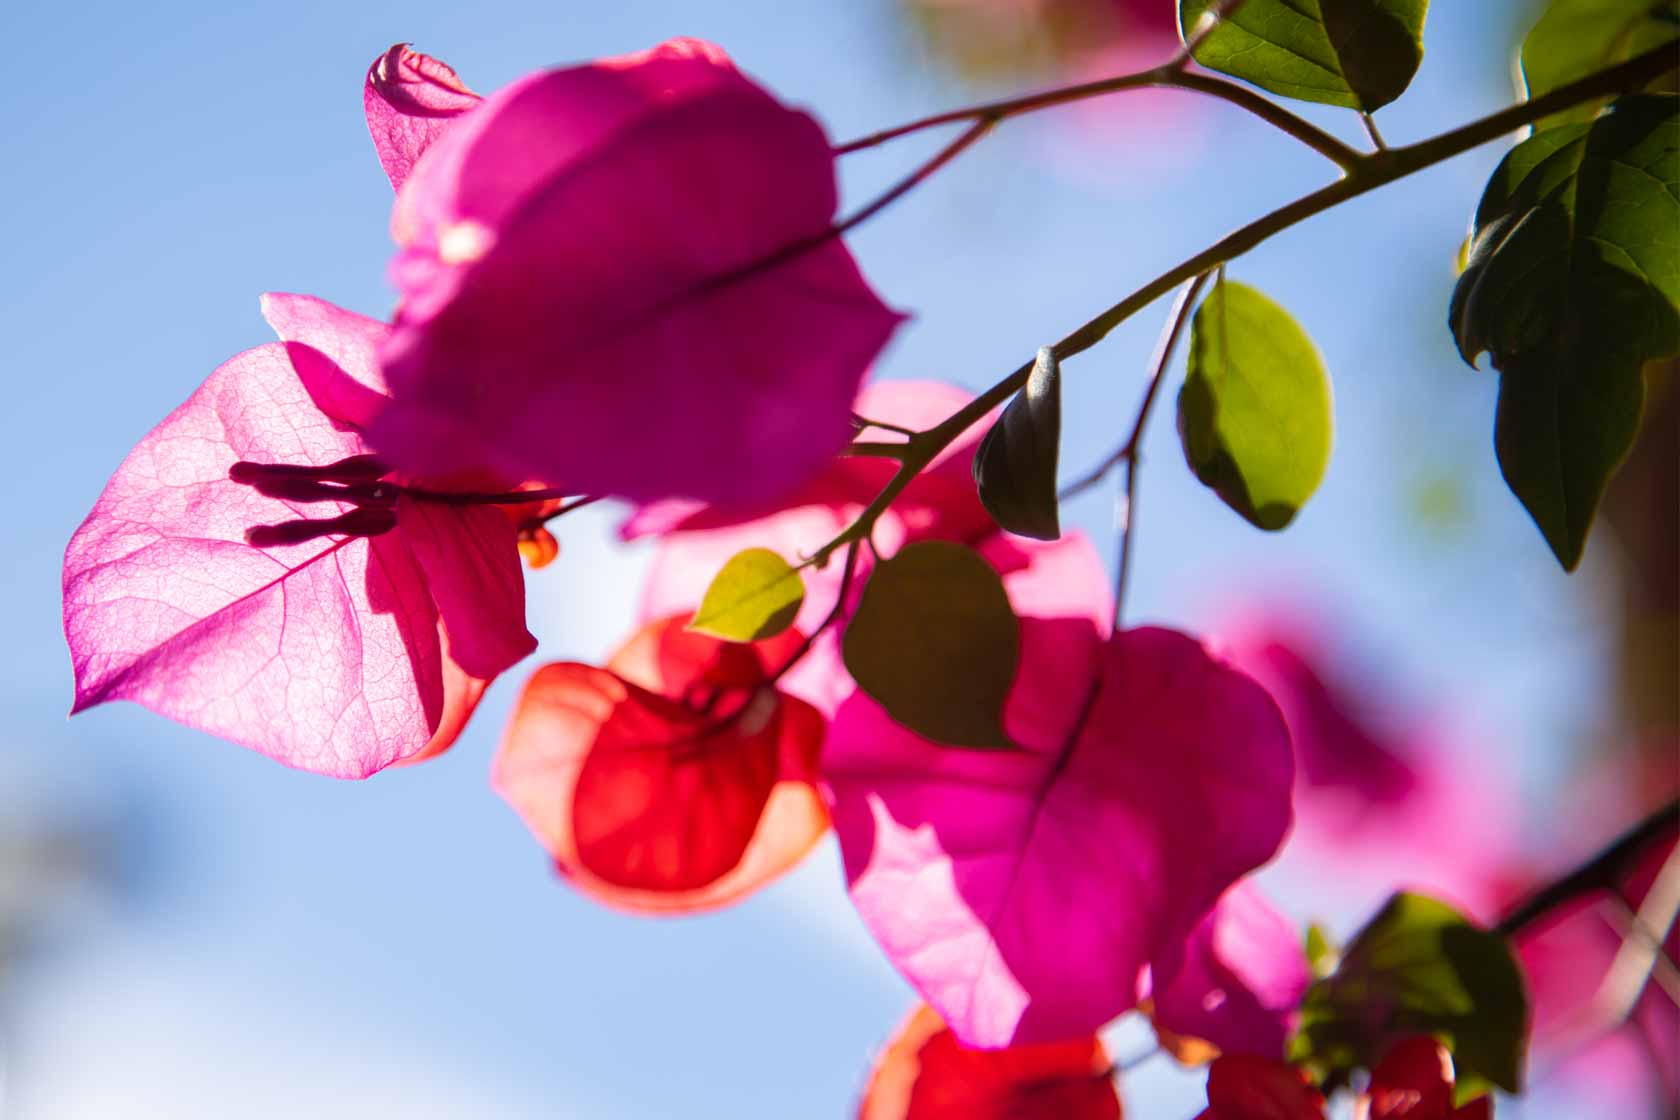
x=1015, y=468
x=1573, y=285
x=1254, y=412
x=756, y=595
x=1574, y=38
x=1418, y=967
x=935, y=641
x=1359, y=54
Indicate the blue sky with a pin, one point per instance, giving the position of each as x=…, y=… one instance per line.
x=280, y=944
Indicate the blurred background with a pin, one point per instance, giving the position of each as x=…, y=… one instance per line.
x=190, y=930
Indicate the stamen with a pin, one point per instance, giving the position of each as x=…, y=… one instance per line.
x=363, y=521
x=351, y=469
x=311, y=490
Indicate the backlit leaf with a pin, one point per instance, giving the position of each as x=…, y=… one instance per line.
x=1254, y=414
x=756, y=595
x=1359, y=54
x=1574, y=38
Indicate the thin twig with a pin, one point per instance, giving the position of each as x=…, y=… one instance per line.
x=1602, y=872
x=1207, y=25
x=1128, y=452
x=1167, y=75
x=904, y=186
x=864, y=423
x=830, y=619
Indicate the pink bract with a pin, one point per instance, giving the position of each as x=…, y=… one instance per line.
x=342, y=654
x=621, y=276
x=1384, y=798
x=1058, y=579
x=410, y=99
x=1024, y=892
x=1238, y=979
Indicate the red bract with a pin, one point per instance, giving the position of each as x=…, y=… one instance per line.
x=1024, y=892
x=357, y=634
x=1058, y=579
x=410, y=98
x=924, y=1073
x=622, y=275
x=1414, y=1081
x=675, y=779
x=1235, y=984
x=1243, y=1087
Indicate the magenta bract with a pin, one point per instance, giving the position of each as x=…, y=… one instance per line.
x=619, y=278
x=410, y=98
x=1237, y=980
x=1024, y=893
x=326, y=654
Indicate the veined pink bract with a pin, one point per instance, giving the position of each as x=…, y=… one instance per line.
x=623, y=275
x=341, y=653
x=1023, y=893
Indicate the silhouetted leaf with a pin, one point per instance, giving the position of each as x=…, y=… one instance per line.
x=1015, y=468
x=935, y=642
x=1254, y=413
x=1572, y=286
x=1359, y=54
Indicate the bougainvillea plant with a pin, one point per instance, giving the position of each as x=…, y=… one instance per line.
x=629, y=280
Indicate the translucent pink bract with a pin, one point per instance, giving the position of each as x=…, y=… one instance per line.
x=327, y=655
x=617, y=278
x=1238, y=979
x=410, y=98
x=1023, y=893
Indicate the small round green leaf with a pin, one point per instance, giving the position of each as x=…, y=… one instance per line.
x=1254, y=414
x=1574, y=38
x=756, y=595
x=1015, y=468
x=1419, y=967
x=1359, y=54
x=935, y=642
x=1572, y=286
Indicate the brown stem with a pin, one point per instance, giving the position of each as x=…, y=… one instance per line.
x=1167, y=75
x=1604, y=871
x=1369, y=172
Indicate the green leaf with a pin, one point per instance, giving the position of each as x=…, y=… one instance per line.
x=1418, y=967
x=1575, y=38
x=1015, y=468
x=757, y=595
x=1359, y=54
x=1322, y=953
x=935, y=642
x=1254, y=413
x=1573, y=285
